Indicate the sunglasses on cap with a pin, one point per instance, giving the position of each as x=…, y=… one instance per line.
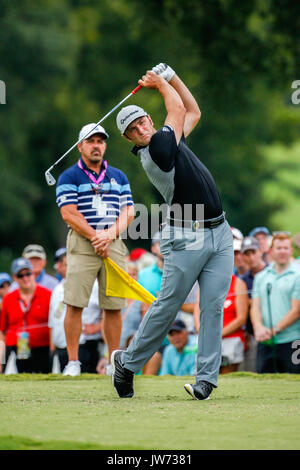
x=20, y=276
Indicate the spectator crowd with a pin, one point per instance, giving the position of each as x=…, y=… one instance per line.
x=261, y=315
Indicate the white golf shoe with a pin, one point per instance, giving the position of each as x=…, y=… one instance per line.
x=72, y=369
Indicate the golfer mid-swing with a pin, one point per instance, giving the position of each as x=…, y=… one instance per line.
x=193, y=248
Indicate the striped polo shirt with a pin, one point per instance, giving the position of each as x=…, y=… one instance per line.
x=75, y=187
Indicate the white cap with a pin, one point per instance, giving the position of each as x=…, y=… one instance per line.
x=236, y=233
x=85, y=134
x=127, y=115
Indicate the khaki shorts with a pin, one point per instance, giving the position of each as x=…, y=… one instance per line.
x=84, y=266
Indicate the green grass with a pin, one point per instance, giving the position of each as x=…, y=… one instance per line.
x=246, y=411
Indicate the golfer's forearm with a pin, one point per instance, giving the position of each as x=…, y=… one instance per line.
x=188, y=99
x=176, y=111
x=172, y=99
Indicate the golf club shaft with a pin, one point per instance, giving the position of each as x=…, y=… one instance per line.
x=101, y=120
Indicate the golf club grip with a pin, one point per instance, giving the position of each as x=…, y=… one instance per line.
x=136, y=89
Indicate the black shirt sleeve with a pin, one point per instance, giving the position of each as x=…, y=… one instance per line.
x=163, y=148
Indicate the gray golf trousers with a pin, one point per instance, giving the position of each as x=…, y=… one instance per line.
x=207, y=256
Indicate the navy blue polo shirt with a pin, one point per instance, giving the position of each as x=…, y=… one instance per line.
x=75, y=187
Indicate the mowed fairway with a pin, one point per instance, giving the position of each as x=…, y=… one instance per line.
x=247, y=411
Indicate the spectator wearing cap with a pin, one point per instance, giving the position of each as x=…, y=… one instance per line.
x=236, y=233
x=95, y=201
x=264, y=238
x=179, y=357
x=253, y=255
x=37, y=256
x=136, y=253
x=24, y=320
x=275, y=310
x=5, y=282
x=147, y=259
x=240, y=264
x=141, y=257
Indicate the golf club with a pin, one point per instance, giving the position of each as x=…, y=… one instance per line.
x=49, y=177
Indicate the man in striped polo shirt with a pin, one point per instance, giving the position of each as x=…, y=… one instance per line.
x=95, y=201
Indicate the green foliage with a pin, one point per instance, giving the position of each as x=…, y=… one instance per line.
x=240, y=67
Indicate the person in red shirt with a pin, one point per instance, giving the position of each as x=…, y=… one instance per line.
x=24, y=320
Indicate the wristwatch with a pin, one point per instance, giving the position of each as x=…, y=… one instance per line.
x=276, y=329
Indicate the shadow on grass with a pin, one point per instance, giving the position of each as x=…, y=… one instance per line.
x=96, y=377
x=254, y=375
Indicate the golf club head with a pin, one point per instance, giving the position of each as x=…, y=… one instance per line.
x=49, y=178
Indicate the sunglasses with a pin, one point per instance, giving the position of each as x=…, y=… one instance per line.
x=20, y=276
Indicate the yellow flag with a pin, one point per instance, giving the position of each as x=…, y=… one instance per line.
x=120, y=284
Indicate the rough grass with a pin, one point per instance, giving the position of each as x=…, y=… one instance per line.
x=246, y=411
